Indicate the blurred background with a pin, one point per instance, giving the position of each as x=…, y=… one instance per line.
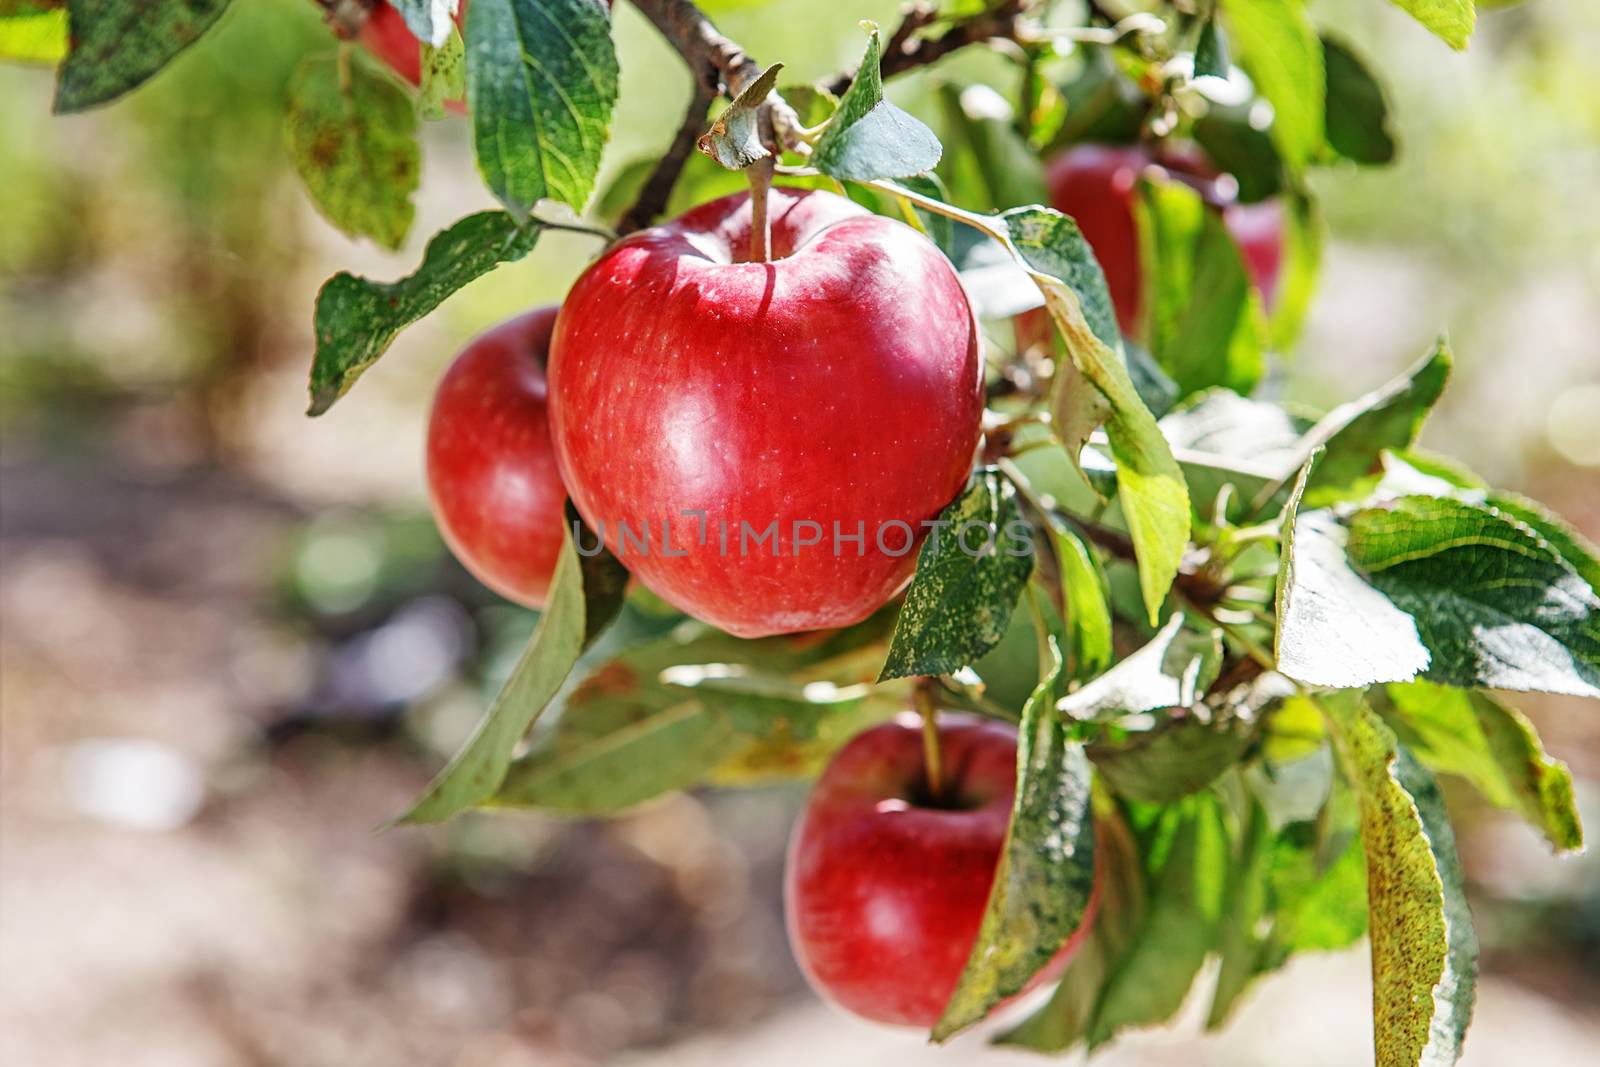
x=231, y=643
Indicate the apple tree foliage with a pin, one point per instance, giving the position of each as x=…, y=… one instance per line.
x=1253, y=638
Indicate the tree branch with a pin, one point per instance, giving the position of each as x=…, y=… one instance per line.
x=717, y=63
x=719, y=67
x=658, y=187
x=906, y=50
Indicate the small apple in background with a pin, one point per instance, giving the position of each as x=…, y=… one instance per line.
x=840, y=382
x=1095, y=185
x=492, y=476
x=885, y=888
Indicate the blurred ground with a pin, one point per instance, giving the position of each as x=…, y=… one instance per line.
x=231, y=646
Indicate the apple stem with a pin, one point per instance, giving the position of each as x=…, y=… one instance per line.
x=923, y=696
x=760, y=175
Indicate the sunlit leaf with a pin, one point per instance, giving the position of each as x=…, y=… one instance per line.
x=1280, y=50
x=1495, y=748
x=33, y=31
x=444, y=74
x=1452, y=21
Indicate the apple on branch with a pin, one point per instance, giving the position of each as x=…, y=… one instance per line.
x=829, y=398
x=492, y=476
x=1095, y=184
x=886, y=884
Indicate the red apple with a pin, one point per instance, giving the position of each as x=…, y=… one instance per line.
x=834, y=390
x=885, y=888
x=1095, y=185
x=492, y=475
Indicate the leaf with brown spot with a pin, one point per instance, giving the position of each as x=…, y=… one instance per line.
x=1424, y=951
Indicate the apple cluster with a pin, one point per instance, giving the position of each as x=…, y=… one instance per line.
x=839, y=381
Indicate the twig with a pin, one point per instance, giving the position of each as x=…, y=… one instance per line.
x=717, y=62
x=346, y=17
x=658, y=187
x=760, y=175
x=927, y=704
x=907, y=51
x=720, y=67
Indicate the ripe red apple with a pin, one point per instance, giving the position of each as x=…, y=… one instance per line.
x=1095, y=185
x=835, y=390
x=492, y=476
x=885, y=888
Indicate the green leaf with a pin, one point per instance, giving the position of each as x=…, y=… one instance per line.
x=1186, y=874
x=1320, y=902
x=1211, y=52
x=939, y=228
x=1355, y=435
x=1046, y=875
x=1331, y=627
x=356, y=320
x=541, y=87
x=1088, y=614
x=1239, y=149
x=1280, y=50
x=1203, y=321
x=431, y=21
x=1297, y=277
x=1495, y=748
x=812, y=104
x=1150, y=486
x=1119, y=909
x=1410, y=473
x=1173, y=670
x=1172, y=755
x=648, y=711
x=33, y=31
x=1357, y=113
x=593, y=772
x=1287, y=896
x=585, y=595
x=990, y=166
x=1102, y=104
x=965, y=585
x=1051, y=243
x=118, y=44
x=758, y=701
x=444, y=74
x=1495, y=603
x=868, y=137
x=1451, y=21
x=734, y=139
x=1424, y=952
x=352, y=135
